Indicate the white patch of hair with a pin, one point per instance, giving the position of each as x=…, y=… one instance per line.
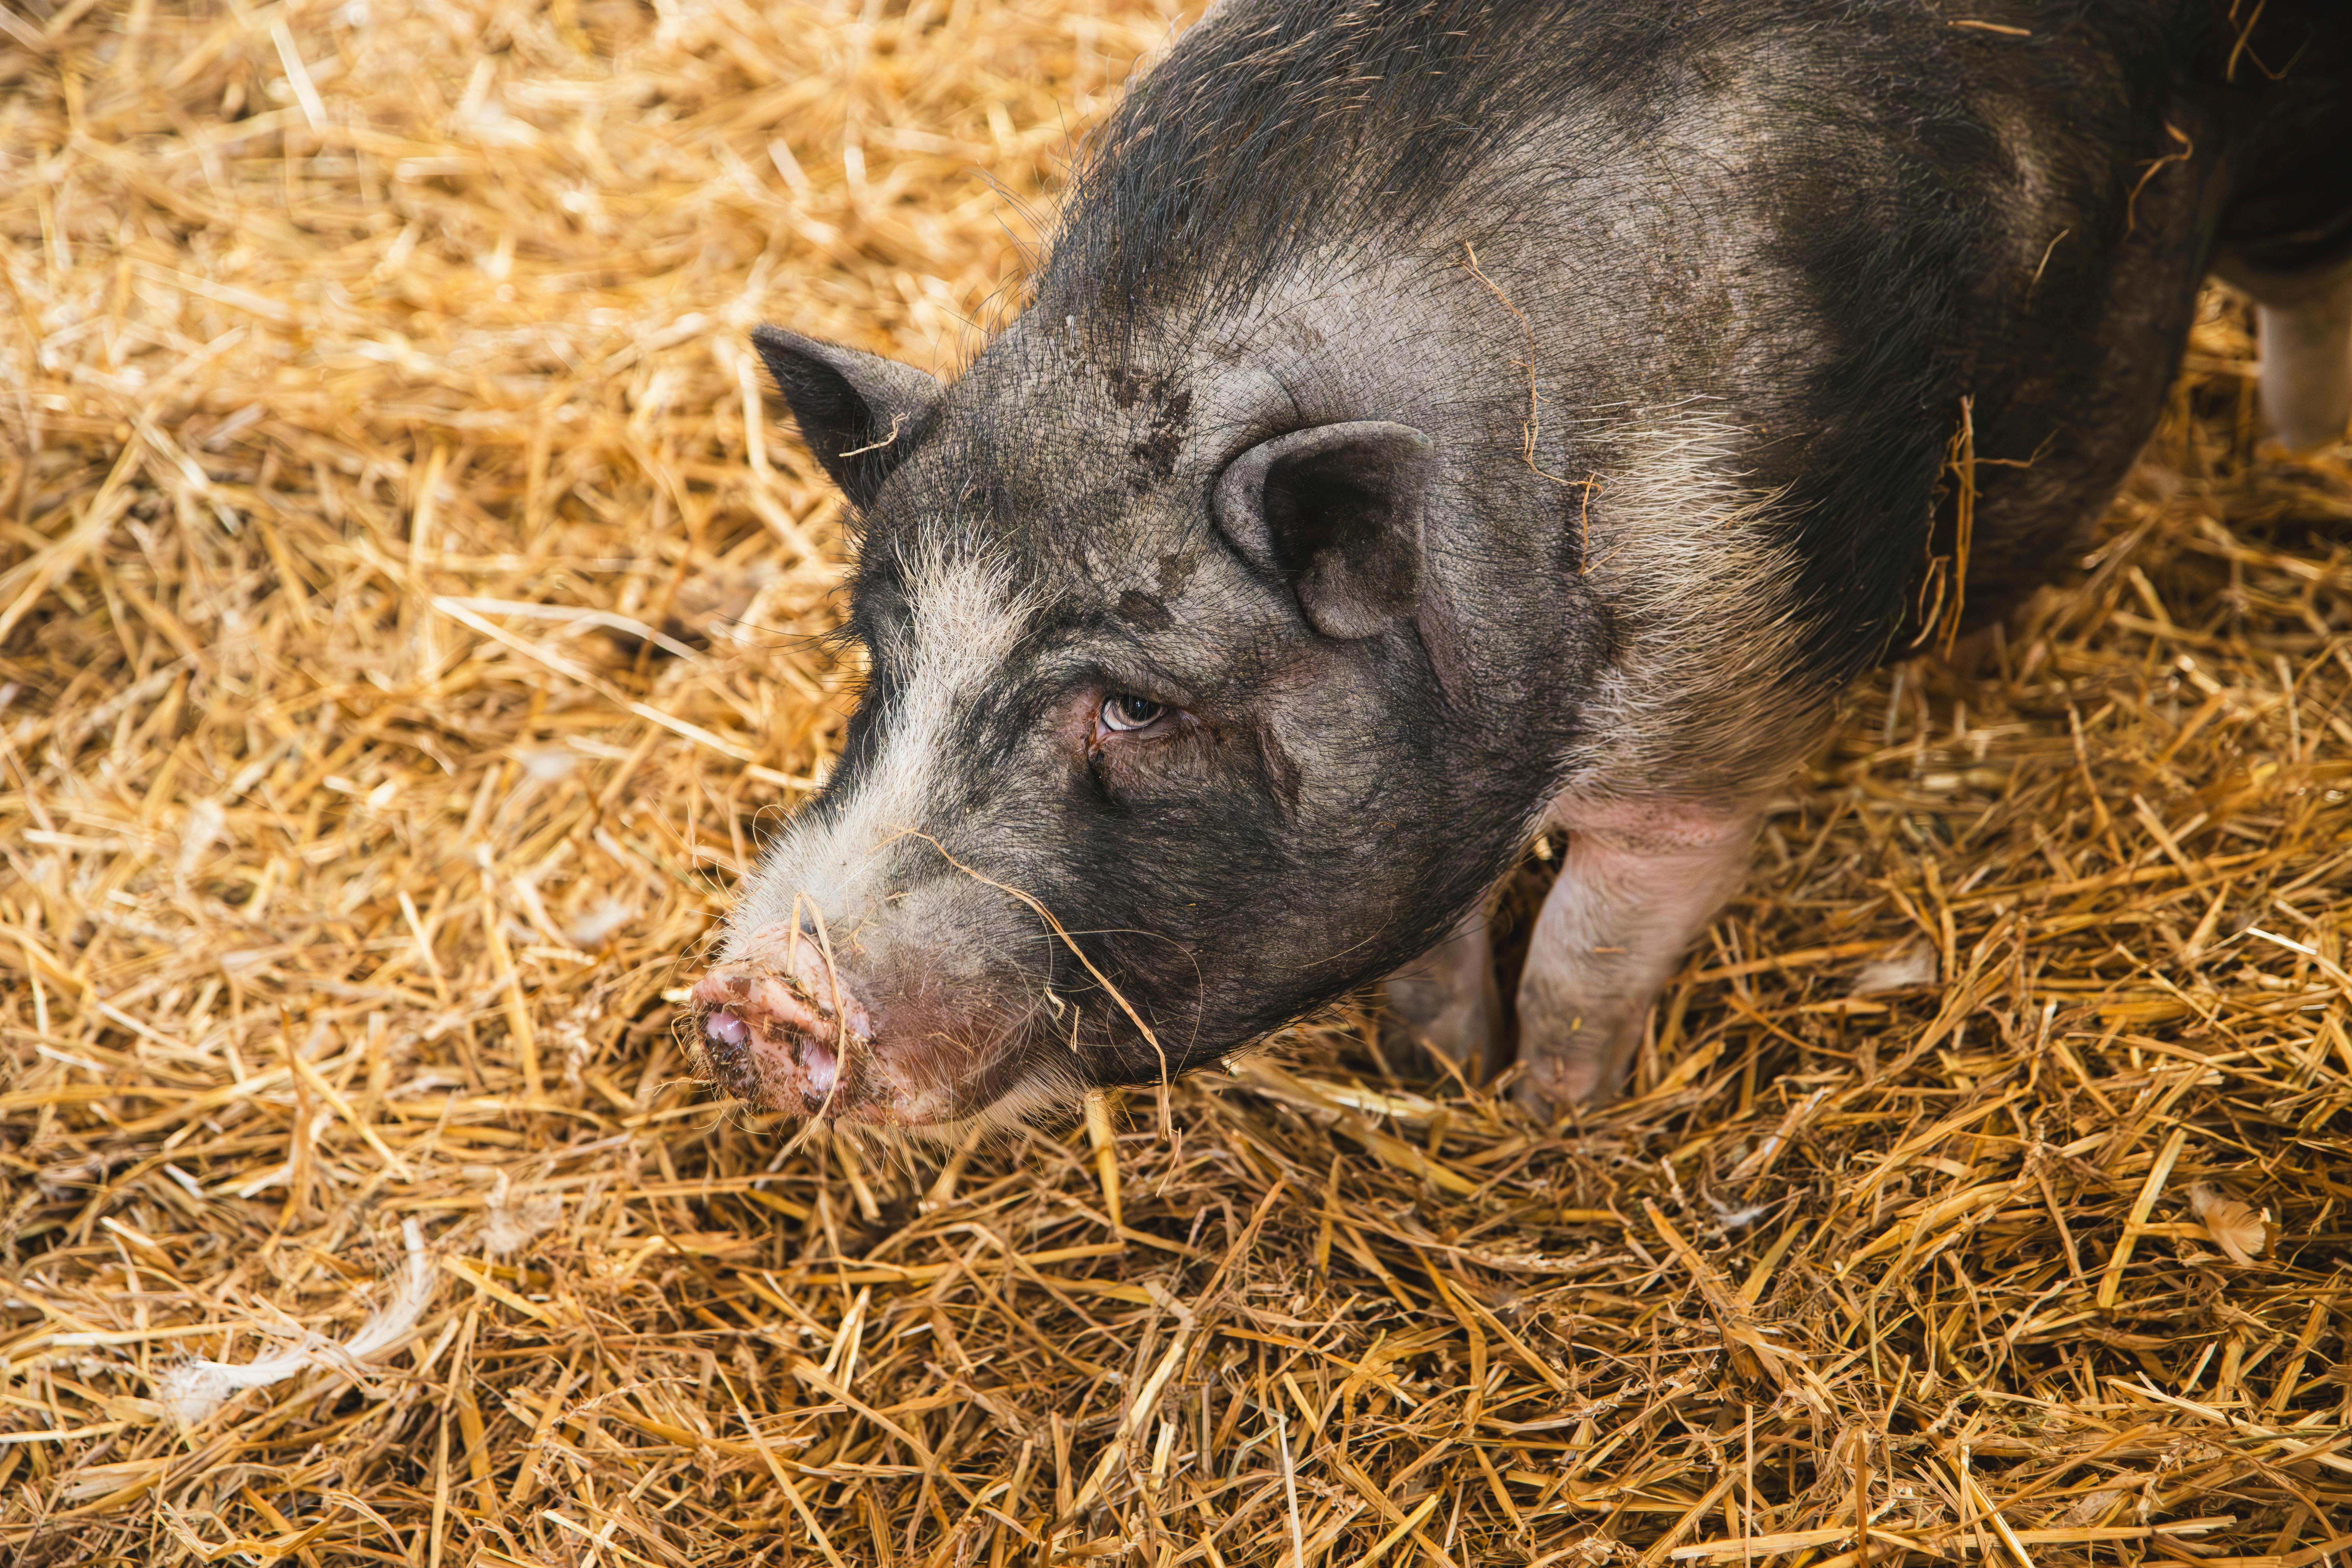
x=967, y=617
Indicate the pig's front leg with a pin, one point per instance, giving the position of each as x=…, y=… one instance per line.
x=1447, y=1003
x=1636, y=885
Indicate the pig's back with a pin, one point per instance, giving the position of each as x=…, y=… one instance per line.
x=1838, y=224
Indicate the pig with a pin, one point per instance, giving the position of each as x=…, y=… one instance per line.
x=1436, y=424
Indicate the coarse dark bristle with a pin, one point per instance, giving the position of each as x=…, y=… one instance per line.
x=1336, y=123
x=403, y=650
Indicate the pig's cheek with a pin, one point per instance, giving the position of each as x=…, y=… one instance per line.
x=1278, y=771
x=1131, y=773
x=1114, y=771
x=1131, y=769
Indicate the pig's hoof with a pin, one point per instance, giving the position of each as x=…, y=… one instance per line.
x=1548, y=1097
x=1556, y=1079
x=1465, y=1035
x=765, y=1038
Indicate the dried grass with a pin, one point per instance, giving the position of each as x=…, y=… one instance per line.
x=374, y=385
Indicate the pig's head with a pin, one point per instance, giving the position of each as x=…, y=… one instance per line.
x=1172, y=729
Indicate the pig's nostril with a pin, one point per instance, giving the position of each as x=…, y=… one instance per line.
x=767, y=1037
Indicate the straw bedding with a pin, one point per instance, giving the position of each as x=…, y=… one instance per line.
x=405, y=639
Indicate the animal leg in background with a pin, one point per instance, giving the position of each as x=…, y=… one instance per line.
x=2306, y=349
x=1448, y=1001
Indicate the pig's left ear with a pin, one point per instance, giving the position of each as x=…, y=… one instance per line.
x=1335, y=509
x=859, y=412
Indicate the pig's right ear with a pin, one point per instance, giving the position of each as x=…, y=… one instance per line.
x=859, y=412
x=1335, y=509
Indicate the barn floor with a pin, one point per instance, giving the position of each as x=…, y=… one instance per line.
x=405, y=621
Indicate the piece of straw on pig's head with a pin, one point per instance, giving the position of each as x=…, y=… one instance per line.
x=1169, y=736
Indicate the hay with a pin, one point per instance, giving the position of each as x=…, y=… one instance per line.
x=403, y=639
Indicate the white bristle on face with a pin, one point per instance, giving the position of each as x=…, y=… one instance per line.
x=966, y=617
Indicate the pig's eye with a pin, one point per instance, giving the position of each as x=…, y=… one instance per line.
x=1126, y=710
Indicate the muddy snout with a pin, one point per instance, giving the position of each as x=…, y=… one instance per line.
x=770, y=1031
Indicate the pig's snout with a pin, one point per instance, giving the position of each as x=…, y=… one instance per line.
x=770, y=1030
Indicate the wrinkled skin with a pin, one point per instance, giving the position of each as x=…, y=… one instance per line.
x=1360, y=498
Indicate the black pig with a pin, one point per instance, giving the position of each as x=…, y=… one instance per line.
x=1441, y=420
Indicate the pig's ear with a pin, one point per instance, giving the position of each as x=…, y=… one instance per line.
x=857, y=412
x=1335, y=510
